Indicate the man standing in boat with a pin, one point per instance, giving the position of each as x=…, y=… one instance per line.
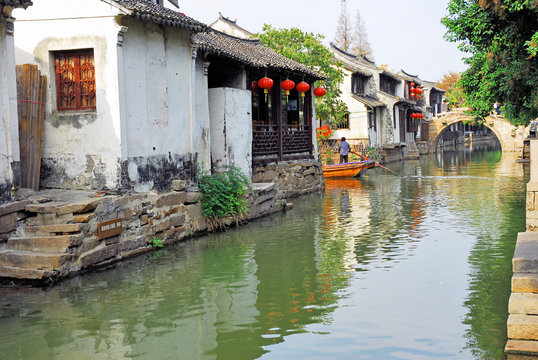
x=345, y=148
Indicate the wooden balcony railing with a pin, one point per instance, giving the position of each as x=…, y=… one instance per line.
x=270, y=142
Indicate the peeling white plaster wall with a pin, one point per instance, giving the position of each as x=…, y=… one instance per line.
x=77, y=24
x=231, y=128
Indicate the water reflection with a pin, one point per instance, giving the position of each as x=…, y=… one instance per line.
x=387, y=267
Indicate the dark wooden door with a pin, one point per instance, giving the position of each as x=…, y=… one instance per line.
x=403, y=123
x=31, y=93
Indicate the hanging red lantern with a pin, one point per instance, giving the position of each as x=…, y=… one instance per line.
x=287, y=85
x=419, y=97
x=320, y=91
x=418, y=91
x=412, y=94
x=412, y=84
x=412, y=116
x=422, y=116
x=254, y=86
x=265, y=83
x=302, y=87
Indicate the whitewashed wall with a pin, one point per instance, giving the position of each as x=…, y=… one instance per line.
x=9, y=130
x=358, y=117
x=166, y=118
x=80, y=149
x=231, y=128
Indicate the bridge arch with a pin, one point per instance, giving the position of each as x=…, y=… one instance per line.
x=511, y=137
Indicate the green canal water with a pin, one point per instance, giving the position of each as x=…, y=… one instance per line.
x=386, y=267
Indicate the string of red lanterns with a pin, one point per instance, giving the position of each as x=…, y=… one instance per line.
x=415, y=91
x=287, y=85
x=417, y=116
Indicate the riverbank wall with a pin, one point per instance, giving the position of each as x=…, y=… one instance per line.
x=522, y=322
x=55, y=234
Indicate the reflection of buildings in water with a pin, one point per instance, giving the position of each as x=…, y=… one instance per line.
x=346, y=211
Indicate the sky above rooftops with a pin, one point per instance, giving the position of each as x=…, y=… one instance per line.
x=404, y=35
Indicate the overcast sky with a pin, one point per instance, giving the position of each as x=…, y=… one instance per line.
x=405, y=35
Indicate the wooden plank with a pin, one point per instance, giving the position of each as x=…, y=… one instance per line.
x=31, y=92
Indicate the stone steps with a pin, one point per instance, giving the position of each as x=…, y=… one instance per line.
x=48, y=230
x=33, y=260
x=45, y=244
x=25, y=274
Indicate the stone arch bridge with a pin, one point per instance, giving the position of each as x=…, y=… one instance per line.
x=511, y=137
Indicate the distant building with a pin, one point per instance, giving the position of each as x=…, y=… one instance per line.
x=230, y=27
x=381, y=103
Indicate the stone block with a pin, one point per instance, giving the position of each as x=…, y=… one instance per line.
x=14, y=207
x=171, y=211
x=191, y=198
x=135, y=252
x=174, y=233
x=522, y=347
x=132, y=244
x=160, y=226
x=179, y=185
x=195, y=218
x=8, y=222
x=526, y=254
x=83, y=218
x=524, y=327
x=112, y=240
x=25, y=274
x=525, y=283
x=52, y=218
x=46, y=208
x=523, y=303
x=170, y=199
x=531, y=201
x=79, y=207
x=98, y=255
x=124, y=200
x=143, y=219
x=176, y=220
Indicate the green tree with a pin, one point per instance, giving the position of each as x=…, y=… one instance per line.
x=307, y=49
x=500, y=37
x=450, y=82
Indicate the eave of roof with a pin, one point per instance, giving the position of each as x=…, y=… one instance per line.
x=391, y=75
x=249, y=52
x=146, y=11
x=16, y=3
x=368, y=101
x=353, y=62
x=231, y=22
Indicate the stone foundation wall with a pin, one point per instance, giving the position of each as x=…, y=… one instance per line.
x=291, y=178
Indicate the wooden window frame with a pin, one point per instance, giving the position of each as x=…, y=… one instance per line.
x=77, y=80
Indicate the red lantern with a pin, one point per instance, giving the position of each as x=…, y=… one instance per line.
x=302, y=87
x=412, y=94
x=419, y=97
x=254, y=86
x=418, y=91
x=265, y=83
x=422, y=116
x=320, y=91
x=412, y=84
x=287, y=85
x=412, y=116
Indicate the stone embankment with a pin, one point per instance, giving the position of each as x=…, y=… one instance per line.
x=523, y=305
x=55, y=234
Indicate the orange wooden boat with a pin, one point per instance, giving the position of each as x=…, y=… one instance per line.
x=352, y=169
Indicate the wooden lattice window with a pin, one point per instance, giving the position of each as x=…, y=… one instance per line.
x=75, y=80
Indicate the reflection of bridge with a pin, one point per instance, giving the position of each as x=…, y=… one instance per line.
x=510, y=136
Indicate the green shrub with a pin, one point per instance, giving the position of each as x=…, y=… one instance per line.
x=223, y=195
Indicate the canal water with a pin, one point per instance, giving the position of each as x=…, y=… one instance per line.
x=416, y=266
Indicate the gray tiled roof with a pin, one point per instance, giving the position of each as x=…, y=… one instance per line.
x=368, y=100
x=249, y=52
x=147, y=11
x=16, y=3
